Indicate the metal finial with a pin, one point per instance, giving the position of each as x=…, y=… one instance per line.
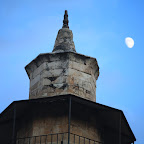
x=65, y=21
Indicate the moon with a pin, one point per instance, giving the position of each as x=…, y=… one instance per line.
x=129, y=42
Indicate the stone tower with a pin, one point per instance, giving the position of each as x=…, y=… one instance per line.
x=62, y=107
x=64, y=71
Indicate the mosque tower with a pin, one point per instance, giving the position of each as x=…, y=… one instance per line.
x=62, y=107
x=64, y=71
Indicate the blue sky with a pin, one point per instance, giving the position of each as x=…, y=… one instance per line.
x=28, y=28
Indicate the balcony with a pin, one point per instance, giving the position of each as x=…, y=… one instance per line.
x=58, y=138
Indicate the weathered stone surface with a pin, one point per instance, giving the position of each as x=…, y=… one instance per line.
x=53, y=119
x=63, y=73
x=45, y=120
x=64, y=41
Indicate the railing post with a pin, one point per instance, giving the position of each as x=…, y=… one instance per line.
x=69, y=122
x=74, y=138
x=57, y=138
x=14, y=126
x=35, y=140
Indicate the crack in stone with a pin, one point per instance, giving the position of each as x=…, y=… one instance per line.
x=52, y=78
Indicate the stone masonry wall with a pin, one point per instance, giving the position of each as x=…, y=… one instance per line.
x=85, y=129
x=85, y=123
x=25, y=128
x=63, y=73
x=58, y=124
x=52, y=118
x=46, y=119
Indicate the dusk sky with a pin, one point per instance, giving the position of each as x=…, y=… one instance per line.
x=29, y=27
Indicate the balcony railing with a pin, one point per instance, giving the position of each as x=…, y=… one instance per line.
x=58, y=138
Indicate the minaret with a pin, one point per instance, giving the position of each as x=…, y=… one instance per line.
x=62, y=108
x=64, y=71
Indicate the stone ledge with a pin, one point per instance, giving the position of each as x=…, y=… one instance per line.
x=62, y=56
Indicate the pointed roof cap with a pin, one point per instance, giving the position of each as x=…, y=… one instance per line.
x=64, y=41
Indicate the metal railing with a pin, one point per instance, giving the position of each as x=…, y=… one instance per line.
x=58, y=138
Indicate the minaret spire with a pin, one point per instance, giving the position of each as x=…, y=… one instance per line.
x=64, y=41
x=64, y=71
x=65, y=21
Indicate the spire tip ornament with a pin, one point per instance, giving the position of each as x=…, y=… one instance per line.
x=65, y=21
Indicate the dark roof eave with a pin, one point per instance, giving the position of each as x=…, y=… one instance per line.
x=128, y=125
